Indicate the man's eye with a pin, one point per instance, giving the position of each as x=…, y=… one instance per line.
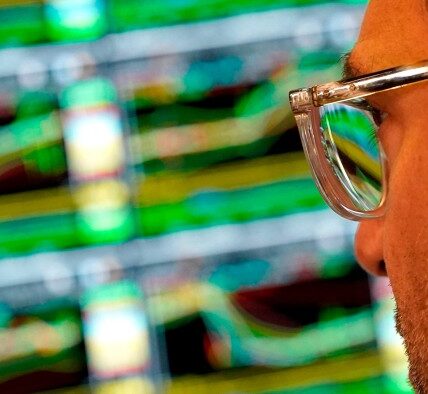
x=378, y=116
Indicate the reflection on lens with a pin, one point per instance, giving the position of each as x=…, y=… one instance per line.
x=352, y=149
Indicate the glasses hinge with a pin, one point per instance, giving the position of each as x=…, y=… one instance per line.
x=301, y=100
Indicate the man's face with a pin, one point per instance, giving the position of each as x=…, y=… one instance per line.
x=394, y=33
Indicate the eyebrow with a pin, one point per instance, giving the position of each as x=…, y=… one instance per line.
x=348, y=70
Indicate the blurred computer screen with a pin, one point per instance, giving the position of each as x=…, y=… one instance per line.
x=159, y=228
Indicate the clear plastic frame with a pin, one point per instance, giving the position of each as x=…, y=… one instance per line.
x=338, y=128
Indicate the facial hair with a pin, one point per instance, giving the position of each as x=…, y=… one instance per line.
x=416, y=349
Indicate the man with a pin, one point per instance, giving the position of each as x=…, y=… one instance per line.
x=395, y=33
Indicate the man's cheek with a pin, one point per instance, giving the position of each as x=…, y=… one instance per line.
x=406, y=221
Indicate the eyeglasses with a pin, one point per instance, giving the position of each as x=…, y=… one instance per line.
x=338, y=128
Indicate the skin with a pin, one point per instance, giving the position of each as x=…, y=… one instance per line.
x=394, y=33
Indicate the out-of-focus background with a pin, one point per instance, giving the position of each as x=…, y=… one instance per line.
x=159, y=229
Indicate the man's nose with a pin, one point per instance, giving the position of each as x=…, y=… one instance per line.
x=369, y=246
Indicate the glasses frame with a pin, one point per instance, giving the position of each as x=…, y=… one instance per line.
x=305, y=104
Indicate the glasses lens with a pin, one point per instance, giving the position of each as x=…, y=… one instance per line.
x=349, y=138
